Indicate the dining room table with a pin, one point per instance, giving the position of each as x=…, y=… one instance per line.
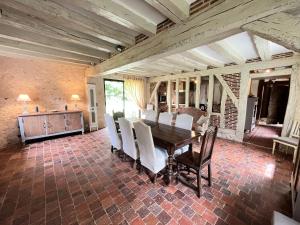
x=170, y=138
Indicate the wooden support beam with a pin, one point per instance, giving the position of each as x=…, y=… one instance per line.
x=262, y=47
x=242, y=107
x=202, y=58
x=169, y=96
x=210, y=94
x=26, y=22
x=280, y=28
x=226, y=19
x=276, y=63
x=19, y=53
x=227, y=52
x=223, y=104
x=56, y=13
x=272, y=74
x=228, y=90
x=37, y=39
x=175, y=10
x=117, y=13
x=154, y=91
x=187, y=92
x=177, y=94
x=292, y=104
x=46, y=51
x=197, y=97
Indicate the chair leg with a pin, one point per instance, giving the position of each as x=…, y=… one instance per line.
x=112, y=149
x=294, y=156
x=199, y=183
x=134, y=164
x=209, y=175
x=154, y=178
x=274, y=146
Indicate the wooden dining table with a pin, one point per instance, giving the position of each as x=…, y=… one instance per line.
x=170, y=138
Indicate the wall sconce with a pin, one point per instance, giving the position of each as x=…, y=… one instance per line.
x=24, y=98
x=75, y=98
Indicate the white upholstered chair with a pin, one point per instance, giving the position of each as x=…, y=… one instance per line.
x=116, y=142
x=150, y=107
x=151, y=157
x=129, y=144
x=183, y=121
x=290, y=141
x=165, y=118
x=150, y=115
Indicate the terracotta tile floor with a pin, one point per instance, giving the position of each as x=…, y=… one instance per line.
x=76, y=180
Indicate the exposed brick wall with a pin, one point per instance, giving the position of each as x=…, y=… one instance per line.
x=233, y=81
x=201, y=5
x=164, y=25
x=49, y=85
x=231, y=114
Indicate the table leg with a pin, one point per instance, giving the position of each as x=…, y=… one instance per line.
x=190, y=147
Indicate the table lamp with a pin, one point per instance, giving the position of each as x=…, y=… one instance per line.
x=75, y=98
x=24, y=98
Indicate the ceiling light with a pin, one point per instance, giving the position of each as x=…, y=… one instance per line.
x=268, y=71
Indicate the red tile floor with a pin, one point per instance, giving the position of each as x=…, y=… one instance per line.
x=77, y=180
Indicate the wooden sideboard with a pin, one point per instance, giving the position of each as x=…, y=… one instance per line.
x=39, y=125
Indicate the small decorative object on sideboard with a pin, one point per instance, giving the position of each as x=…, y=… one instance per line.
x=24, y=98
x=75, y=98
x=66, y=107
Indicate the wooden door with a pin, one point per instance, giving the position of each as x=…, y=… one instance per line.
x=73, y=121
x=55, y=123
x=34, y=126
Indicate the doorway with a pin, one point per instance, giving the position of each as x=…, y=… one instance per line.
x=92, y=107
x=114, y=96
x=266, y=110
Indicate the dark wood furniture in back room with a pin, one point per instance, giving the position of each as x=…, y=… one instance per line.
x=40, y=125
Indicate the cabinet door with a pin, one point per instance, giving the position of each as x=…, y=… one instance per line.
x=34, y=126
x=55, y=123
x=73, y=121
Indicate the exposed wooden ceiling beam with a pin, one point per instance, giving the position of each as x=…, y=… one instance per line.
x=225, y=18
x=177, y=62
x=46, y=51
x=175, y=10
x=225, y=50
x=51, y=11
x=262, y=47
x=196, y=55
x=280, y=28
x=34, y=38
x=117, y=13
x=24, y=21
x=19, y=53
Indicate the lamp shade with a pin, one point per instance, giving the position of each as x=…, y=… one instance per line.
x=75, y=98
x=23, y=98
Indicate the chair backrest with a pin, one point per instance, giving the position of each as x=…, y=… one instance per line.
x=295, y=132
x=150, y=107
x=128, y=142
x=208, y=143
x=145, y=143
x=165, y=118
x=150, y=115
x=184, y=121
x=112, y=131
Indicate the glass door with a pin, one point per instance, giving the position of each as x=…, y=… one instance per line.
x=92, y=106
x=114, y=96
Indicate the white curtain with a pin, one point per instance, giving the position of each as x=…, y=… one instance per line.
x=135, y=90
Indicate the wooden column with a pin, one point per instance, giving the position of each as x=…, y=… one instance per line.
x=242, y=106
x=177, y=93
x=223, y=102
x=187, y=92
x=169, y=97
x=197, y=97
x=210, y=94
x=292, y=101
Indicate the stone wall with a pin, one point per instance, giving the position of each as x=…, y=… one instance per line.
x=49, y=84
